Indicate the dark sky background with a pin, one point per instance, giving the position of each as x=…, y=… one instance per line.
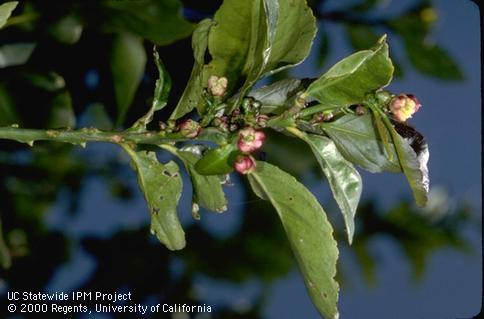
x=450, y=120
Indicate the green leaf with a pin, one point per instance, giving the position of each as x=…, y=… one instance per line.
x=358, y=141
x=294, y=35
x=256, y=38
x=160, y=96
x=50, y=81
x=430, y=59
x=308, y=231
x=15, y=54
x=160, y=22
x=128, y=61
x=8, y=113
x=98, y=118
x=62, y=113
x=192, y=95
x=67, y=30
x=6, y=10
x=5, y=258
x=217, y=161
x=231, y=38
x=207, y=190
x=214, y=135
x=279, y=96
x=162, y=186
x=349, y=80
x=343, y=178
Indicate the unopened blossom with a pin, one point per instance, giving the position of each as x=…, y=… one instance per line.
x=189, y=128
x=217, y=86
x=261, y=120
x=250, y=140
x=221, y=123
x=403, y=106
x=245, y=164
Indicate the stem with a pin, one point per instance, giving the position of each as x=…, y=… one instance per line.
x=315, y=109
x=296, y=132
x=84, y=135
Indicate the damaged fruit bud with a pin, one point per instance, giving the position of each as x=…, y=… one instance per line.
x=403, y=106
x=217, y=85
x=250, y=140
x=245, y=164
x=261, y=120
x=189, y=128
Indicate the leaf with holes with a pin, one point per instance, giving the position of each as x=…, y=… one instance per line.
x=160, y=96
x=161, y=185
x=308, y=231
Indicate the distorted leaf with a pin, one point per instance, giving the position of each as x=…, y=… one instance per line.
x=161, y=185
x=308, y=231
x=349, y=80
x=128, y=61
x=344, y=180
x=160, y=96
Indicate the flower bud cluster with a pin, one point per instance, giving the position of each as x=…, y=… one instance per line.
x=249, y=141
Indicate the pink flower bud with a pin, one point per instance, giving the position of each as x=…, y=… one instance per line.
x=245, y=164
x=403, y=106
x=189, y=128
x=250, y=140
x=217, y=85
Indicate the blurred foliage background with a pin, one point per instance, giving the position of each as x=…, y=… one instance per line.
x=88, y=63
